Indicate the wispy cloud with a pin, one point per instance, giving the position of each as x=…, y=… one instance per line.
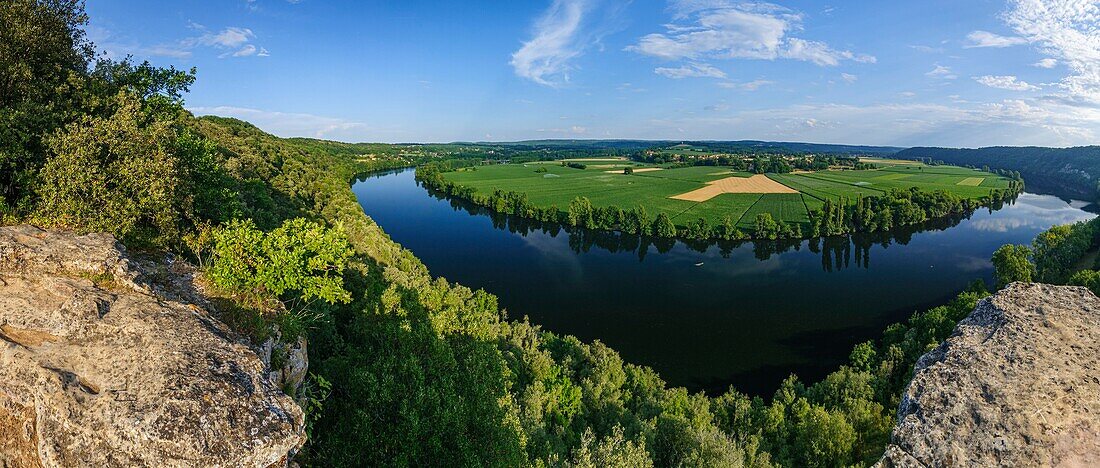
x=1011, y=122
x=1008, y=82
x=289, y=124
x=236, y=41
x=848, y=77
x=691, y=70
x=719, y=30
x=988, y=39
x=1046, y=63
x=233, y=41
x=927, y=49
x=545, y=58
x=115, y=46
x=561, y=34
x=942, y=72
x=747, y=86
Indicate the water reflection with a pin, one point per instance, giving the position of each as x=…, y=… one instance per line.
x=706, y=315
x=836, y=253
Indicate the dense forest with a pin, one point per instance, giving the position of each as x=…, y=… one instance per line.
x=406, y=369
x=1076, y=170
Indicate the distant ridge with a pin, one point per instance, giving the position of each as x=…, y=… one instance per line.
x=1075, y=170
x=745, y=144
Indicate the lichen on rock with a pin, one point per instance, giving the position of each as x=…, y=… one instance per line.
x=1016, y=384
x=98, y=369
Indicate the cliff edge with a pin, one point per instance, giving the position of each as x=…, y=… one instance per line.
x=1016, y=384
x=101, y=367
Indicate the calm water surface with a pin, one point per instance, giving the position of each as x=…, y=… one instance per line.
x=748, y=316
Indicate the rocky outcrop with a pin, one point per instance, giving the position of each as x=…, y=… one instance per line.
x=1016, y=384
x=100, y=366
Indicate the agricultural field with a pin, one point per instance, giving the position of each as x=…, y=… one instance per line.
x=714, y=192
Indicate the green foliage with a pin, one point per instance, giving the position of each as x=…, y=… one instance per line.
x=613, y=450
x=663, y=227
x=1010, y=263
x=1058, y=249
x=132, y=176
x=580, y=212
x=1087, y=278
x=43, y=56
x=297, y=263
x=766, y=227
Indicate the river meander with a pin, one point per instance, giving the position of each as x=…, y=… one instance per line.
x=706, y=316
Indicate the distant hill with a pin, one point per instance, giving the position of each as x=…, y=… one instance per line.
x=1059, y=170
x=737, y=144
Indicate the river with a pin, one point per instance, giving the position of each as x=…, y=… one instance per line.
x=706, y=316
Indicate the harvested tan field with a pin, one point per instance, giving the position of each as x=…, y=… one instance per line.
x=643, y=169
x=971, y=181
x=758, y=183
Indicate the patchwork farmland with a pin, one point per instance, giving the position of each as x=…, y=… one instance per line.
x=712, y=193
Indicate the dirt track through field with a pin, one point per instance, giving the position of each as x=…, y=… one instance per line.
x=758, y=183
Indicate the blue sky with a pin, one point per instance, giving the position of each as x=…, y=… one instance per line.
x=906, y=73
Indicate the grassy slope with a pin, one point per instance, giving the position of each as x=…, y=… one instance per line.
x=559, y=185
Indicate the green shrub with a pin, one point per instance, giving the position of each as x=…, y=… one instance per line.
x=296, y=264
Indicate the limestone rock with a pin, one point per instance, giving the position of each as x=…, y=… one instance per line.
x=97, y=369
x=1016, y=384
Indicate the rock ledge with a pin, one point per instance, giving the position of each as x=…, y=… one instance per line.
x=1016, y=384
x=98, y=369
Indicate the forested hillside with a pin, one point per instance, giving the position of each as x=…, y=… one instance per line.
x=1076, y=170
x=408, y=370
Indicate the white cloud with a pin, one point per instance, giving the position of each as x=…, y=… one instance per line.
x=237, y=40
x=848, y=77
x=748, y=86
x=1046, y=63
x=1009, y=122
x=942, y=72
x=234, y=41
x=1008, y=82
x=286, y=124
x=988, y=39
x=927, y=49
x=115, y=47
x=228, y=38
x=692, y=70
x=1064, y=30
x=562, y=34
x=545, y=58
x=719, y=29
x=820, y=53
x=245, y=51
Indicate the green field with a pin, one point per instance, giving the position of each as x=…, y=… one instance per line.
x=559, y=185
